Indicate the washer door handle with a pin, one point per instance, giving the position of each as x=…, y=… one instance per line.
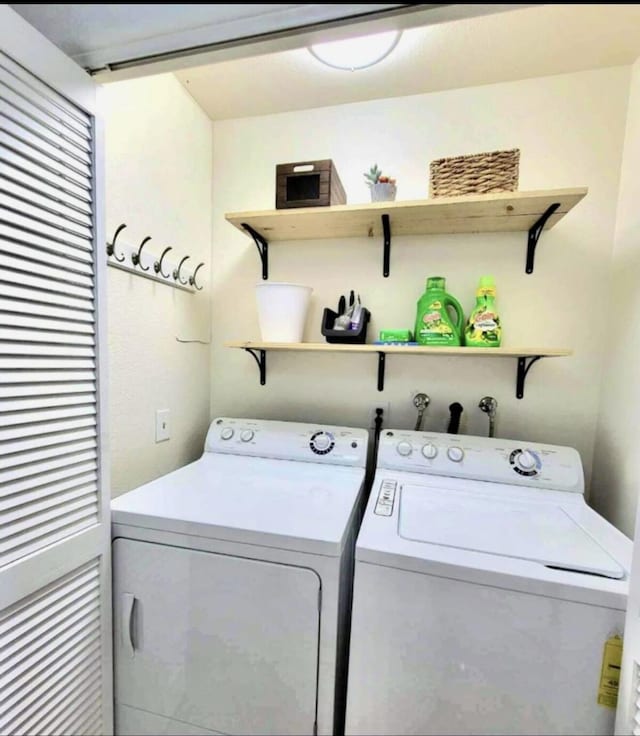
x=128, y=606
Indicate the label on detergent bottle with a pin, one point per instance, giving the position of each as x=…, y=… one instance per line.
x=433, y=324
x=485, y=321
x=610, y=672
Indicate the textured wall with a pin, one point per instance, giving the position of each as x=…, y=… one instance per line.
x=615, y=478
x=158, y=162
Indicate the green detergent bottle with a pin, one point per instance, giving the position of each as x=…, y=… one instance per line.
x=434, y=323
x=483, y=328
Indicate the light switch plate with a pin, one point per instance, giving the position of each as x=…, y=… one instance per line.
x=163, y=425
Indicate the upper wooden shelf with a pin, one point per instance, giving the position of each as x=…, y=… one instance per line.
x=503, y=212
x=508, y=211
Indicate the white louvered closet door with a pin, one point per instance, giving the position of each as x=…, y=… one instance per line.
x=55, y=641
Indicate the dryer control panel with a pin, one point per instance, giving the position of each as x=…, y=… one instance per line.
x=288, y=441
x=481, y=458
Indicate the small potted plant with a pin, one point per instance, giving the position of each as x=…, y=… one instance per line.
x=383, y=189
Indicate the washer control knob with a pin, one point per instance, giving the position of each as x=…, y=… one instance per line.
x=321, y=443
x=429, y=450
x=404, y=448
x=226, y=433
x=455, y=454
x=246, y=435
x=526, y=460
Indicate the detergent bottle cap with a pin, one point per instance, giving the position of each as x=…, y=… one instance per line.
x=487, y=286
x=436, y=282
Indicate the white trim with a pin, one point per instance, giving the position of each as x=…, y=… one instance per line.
x=32, y=50
x=104, y=457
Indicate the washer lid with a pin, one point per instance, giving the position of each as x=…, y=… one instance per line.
x=534, y=531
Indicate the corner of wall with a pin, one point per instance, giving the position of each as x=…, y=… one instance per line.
x=615, y=485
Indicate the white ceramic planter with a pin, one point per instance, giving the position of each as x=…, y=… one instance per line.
x=383, y=192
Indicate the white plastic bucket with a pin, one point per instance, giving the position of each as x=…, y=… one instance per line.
x=282, y=311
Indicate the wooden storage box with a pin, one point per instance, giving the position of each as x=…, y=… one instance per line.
x=308, y=184
x=480, y=173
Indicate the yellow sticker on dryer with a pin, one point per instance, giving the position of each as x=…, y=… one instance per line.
x=610, y=672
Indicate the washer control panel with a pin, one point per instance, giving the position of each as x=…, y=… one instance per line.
x=386, y=498
x=481, y=458
x=288, y=441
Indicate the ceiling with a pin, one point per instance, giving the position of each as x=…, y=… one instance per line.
x=95, y=34
x=127, y=41
x=519, y=44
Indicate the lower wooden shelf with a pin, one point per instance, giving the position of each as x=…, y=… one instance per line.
x=525, y=357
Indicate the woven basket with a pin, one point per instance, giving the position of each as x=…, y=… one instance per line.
x=480, y=173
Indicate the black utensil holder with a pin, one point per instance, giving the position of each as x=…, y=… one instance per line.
x=355, y=337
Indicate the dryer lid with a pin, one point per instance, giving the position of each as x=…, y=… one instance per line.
x=534, y=531
x=301, y=506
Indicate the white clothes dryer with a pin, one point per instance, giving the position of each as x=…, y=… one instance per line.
x=232, y=584
x=484, y=593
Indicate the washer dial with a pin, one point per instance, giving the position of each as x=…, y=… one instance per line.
x=455, y=454
x=404, y=448
x=246, y=435
x=226, y=433
x=525, y=462
x=322, y=442
x=429, y=451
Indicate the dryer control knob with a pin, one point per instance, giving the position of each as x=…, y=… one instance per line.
x=226, y=433
x=526, y=460
x=455, y=454
x=404, y=448
x=247, y=435
x=429, y=450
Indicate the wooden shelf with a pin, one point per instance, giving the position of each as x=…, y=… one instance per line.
x=504, y=212
x=325, y=347
x=525, y=356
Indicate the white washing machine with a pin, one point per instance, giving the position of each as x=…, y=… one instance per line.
x=232, y=584
x=485, y=589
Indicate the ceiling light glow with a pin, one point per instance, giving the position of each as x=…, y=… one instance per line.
x=352, y=54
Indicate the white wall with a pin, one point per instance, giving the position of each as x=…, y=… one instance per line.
x=615, y=480
x=158, y=154
x=570, y=130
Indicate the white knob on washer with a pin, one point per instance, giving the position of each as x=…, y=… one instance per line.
x=429, y=450
x=404, y=448
x=322, y=441
x=226, y=433
x=455, y=454
x=246, y=435
x=526, y=460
